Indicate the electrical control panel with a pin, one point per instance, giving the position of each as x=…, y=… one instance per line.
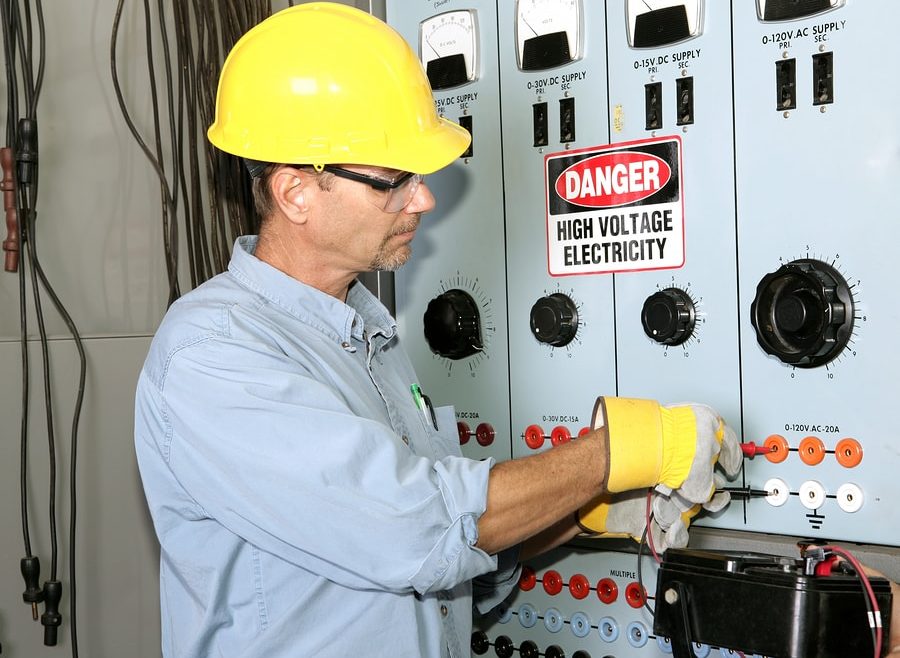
x=561, y=329
x=774, y=303
x=680, y=200
x=451, y=296
x=816, y=153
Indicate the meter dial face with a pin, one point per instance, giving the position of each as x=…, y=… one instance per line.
x=448, y=47
x=654, y=23
x=787, y=10
x=548, y=33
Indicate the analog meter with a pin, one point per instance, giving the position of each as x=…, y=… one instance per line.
x=548, y=33
x=448, y=46
x=787, y=10
x=654, y=23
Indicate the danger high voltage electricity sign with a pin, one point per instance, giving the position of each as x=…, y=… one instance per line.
x=615, y=208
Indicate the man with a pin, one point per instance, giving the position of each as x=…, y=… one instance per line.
x=303, y=504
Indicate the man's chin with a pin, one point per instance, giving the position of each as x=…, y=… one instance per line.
x=394, y=261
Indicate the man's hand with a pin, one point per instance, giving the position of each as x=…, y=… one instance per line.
x=894, y=640
x=675, y=447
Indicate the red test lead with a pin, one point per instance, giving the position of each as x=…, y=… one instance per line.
x=751, y=449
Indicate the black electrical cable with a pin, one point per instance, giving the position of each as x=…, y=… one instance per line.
x=217, y=204
x=169, y=220
x=12, y=112
x=76, y=418
x=22, y=135
x=168, y=202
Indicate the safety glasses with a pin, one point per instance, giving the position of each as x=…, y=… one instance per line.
x=391, y=195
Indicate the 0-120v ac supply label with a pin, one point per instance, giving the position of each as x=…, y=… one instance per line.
x=615, y=208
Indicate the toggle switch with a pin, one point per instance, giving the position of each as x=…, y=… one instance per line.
x=786, y=84
x=653, y=106
x=684, y=95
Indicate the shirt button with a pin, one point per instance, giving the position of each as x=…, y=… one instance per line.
x=444, y=610
x=405, y=439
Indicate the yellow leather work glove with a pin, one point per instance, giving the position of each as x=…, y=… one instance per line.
x=625, y=515
x=676, y=447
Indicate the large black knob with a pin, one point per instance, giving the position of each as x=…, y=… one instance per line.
x=554, y=319
x=668, y=316
x=452, y=325
x=803, y=313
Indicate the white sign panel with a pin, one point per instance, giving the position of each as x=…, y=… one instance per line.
x=615, y=208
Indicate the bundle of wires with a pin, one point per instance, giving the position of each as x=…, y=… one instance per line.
x=24, y=76
x=871, y=601
x=195, y=178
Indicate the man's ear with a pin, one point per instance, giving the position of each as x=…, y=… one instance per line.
x=289, y=192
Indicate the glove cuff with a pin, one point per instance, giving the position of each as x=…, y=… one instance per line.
x=635, y=430
x=679, y=444
x=592, y=517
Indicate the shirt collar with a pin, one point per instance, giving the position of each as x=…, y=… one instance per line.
x=362, y=312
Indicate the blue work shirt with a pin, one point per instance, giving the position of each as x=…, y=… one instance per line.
x=304, y=505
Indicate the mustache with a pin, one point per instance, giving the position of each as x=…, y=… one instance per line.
x=408, y=227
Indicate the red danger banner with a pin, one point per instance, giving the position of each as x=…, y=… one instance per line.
x=615, y=208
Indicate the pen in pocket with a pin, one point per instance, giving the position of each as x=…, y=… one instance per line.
x=423, y=402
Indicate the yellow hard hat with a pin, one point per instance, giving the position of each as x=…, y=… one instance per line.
x=323, y=83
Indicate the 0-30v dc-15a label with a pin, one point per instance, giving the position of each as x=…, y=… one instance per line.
x=615, y=208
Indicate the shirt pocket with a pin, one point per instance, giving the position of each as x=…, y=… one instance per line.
x=445, y=439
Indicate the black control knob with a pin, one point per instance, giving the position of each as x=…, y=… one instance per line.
x=480, y=643
x=803, y=313
x=504, y=647
x=668, y=316
x=452, y=325
x=529, y=649
x=554, y=319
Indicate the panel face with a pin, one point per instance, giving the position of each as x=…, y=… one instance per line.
x=560, y=328
x=579, y=600
x=780, y=314
x=677, y=328
x=457, y=266
x=816, y=183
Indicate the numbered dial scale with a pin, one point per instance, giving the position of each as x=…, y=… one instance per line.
x=549, y=33
x=655, y=23
x=803, y=313
x=448, y=48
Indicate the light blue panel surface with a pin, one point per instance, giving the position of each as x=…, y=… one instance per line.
x=763, y=186
x=705, y=366
x=460, y=244
x=820, y=182
x=552, y=386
